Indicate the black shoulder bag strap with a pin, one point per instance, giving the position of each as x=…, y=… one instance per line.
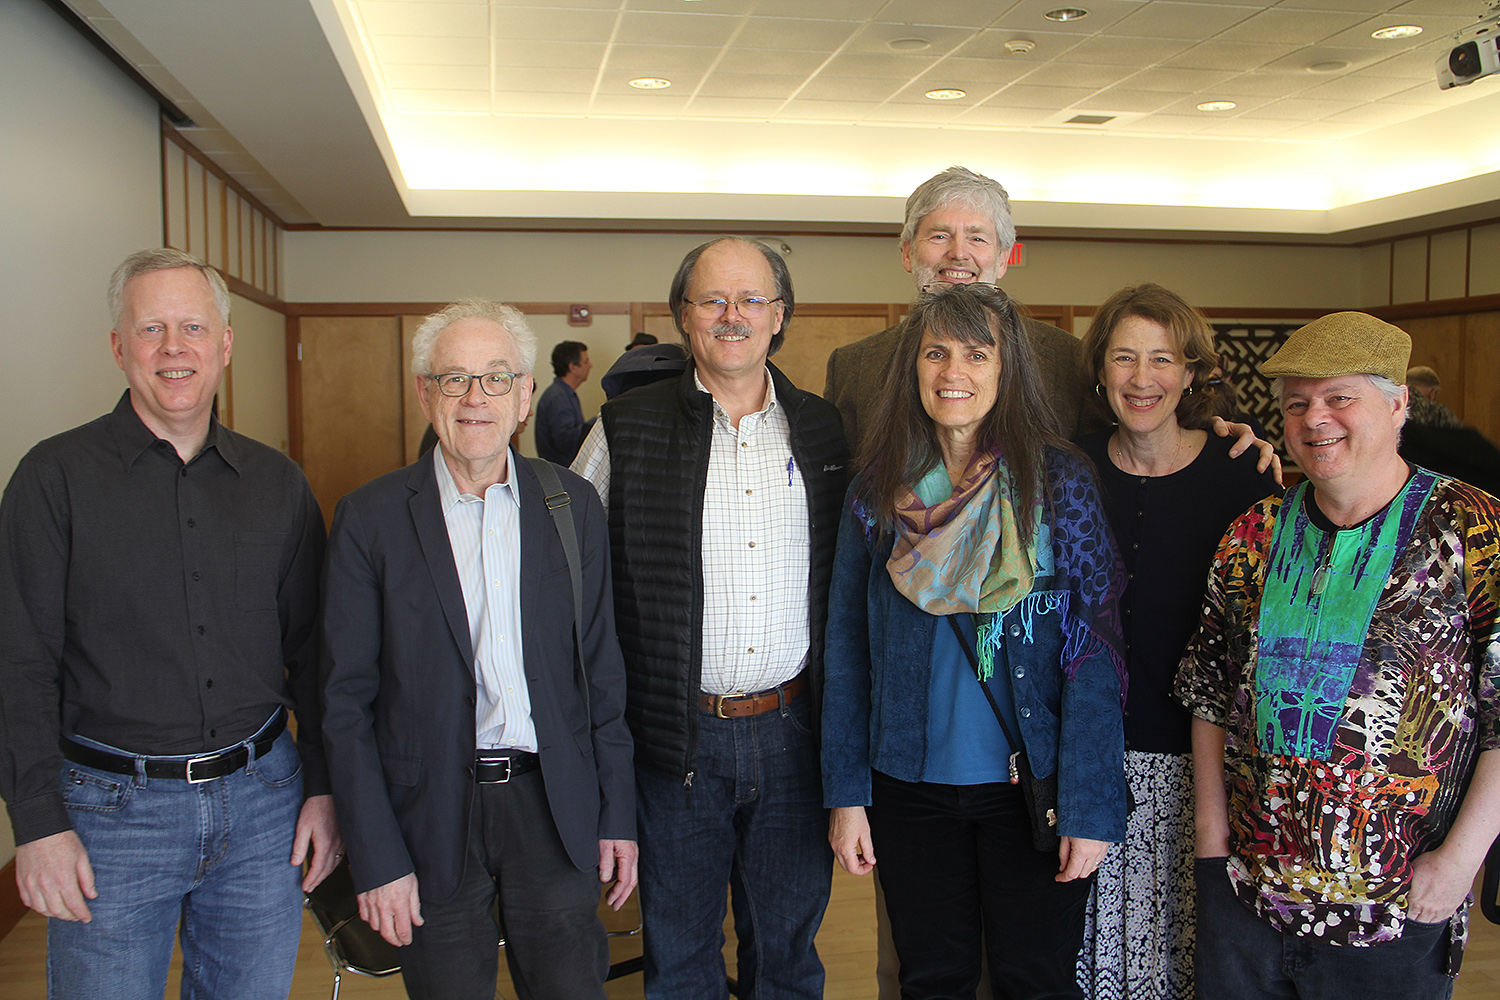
x=1015, y=745
x=559, y=505
x=1040, y=793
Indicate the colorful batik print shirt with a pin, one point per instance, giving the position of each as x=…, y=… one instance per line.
x=1324, y=847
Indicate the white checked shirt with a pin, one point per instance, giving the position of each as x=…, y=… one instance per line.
x=756, y=548
x=485, y=534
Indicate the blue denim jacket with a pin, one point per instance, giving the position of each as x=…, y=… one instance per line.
x=878, y=662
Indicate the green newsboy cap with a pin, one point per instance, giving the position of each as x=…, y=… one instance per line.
x=1342, y=343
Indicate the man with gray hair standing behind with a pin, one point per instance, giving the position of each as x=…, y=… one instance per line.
x=958, y=230
x=479, y=753
x=158, y=610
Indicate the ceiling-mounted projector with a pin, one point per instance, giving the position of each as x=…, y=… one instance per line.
x=1475, y=53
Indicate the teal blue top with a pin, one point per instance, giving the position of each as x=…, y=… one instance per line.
x=965, y=745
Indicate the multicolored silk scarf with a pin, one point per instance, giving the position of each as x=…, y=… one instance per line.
x=959, y=548
x=1315, y=611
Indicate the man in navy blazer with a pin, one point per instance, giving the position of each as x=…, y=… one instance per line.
x=472, y=754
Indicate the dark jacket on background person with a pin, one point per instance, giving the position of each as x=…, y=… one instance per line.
x=659, y=438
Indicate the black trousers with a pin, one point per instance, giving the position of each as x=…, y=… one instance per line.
x=961, y=875
x=554, y=943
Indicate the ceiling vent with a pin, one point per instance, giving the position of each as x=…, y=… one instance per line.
x=1090, y=119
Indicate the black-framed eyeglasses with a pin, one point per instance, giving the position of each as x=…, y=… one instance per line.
x=749, y=306
x=491, y=383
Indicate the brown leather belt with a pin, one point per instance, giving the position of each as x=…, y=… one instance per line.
x=739, y=706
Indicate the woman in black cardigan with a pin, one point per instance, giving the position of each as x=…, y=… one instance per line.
x=1170, y=490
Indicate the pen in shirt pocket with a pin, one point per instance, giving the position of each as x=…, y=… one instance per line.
x=789, y=472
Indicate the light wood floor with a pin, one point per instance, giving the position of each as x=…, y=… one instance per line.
x=846, y=943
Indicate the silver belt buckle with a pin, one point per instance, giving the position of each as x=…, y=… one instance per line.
x=206, y=759
x=496, y=763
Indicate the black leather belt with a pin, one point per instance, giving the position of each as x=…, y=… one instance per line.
x=496, y=768
x=193, y=770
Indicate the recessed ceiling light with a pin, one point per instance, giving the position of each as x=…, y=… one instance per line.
x=1397, y=31
x=944, y=95
x=908, y=44
x=650, y=83
x=1019, y=46
x=1066, y=14
x=1216, y=106
x=1331, y=66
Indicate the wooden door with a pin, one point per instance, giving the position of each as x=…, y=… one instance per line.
x=351, y=396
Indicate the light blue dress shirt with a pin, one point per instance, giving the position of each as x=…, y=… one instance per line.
x=485, y=533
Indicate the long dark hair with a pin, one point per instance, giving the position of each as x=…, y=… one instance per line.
x=901, y=444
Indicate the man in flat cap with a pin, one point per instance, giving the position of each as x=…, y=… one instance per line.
x=1346, y=731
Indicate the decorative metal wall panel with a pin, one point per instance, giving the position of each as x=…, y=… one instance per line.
x=1242, y=348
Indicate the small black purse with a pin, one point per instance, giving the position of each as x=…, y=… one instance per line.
x=1040, y=793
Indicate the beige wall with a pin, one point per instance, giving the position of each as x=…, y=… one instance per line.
x=259, y=372
x=82, y=189
x=550, y=267
x=605, y=267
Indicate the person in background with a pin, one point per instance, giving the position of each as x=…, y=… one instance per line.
x=560, y=426
x=642, y=366
x=158, y=622
x=1170, y=489
x=973, y=615
x=957, y=229
x=1345, y=691
x=1435, y=438
x=1423, y=384
x=722, y=487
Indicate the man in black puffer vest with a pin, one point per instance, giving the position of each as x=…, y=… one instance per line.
x=723, y=489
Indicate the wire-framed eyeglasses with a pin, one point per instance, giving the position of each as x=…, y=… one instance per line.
x=750, y=306
x=491, y=383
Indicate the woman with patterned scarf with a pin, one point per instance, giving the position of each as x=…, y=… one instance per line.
x=973, y=661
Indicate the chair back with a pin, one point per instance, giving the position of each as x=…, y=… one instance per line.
x=349, y=940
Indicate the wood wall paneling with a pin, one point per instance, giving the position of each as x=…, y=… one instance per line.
x=1449, y=269
x=1481, y=398
x=1409, y=270
x=351, y=405
x=810, y=338
x=1484, y=261
x=1439, y=343
x=413, y=423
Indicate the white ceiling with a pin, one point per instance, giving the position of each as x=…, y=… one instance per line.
x=781, y=112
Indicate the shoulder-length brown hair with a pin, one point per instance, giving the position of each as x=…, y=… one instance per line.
x=901, y=444
x=1189, y=332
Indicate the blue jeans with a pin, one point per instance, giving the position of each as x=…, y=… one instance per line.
x=1242, y=957
x=753, y=820
x=214, y=856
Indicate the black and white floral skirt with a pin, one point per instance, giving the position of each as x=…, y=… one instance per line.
x=1139, y=928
